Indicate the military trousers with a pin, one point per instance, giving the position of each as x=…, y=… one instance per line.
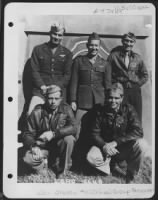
x=131, y=152
x=134, y=97
x=57, y=155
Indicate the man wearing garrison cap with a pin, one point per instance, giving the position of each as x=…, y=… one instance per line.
x=50, y=64
x=129, y=69
x=49, y=135
x=91, y=76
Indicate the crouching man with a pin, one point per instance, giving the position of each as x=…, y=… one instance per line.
x=50, y=134
x=116, y=135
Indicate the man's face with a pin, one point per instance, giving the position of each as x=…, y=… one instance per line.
x=128, y=44
x=93, y=47
x=54, y=100
x=56, y=37
x=114, y=100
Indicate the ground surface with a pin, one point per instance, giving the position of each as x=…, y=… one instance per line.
x=89, y=175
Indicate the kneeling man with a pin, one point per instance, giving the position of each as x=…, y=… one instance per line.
x=50, y=133
x=116, y=134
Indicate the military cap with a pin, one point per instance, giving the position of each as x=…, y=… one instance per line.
x=93, y=36
x=116, y=87
x=56, y=27
x=130, y=35
x=53, y=89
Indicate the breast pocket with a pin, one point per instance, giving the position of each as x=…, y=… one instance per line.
x=100, y=69
x=44, y=61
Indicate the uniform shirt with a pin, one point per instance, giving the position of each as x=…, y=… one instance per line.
x=121, y=126
x=50, y=69
x=62, y=123
x=89, y=81
x=136, y=73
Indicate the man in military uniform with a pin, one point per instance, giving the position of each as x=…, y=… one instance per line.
x=49, y=134
x=91, y=76
x=116, y=134
x=50, y=64
x=129, y=69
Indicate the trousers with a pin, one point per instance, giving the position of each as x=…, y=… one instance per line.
x=131, y=152
x=134, y=97
x=58, y=155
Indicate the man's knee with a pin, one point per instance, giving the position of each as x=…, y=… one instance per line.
x=28, y=158
x=143, y=146
x=94, y=154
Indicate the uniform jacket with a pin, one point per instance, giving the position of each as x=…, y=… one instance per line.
x=121, y=126
x=63, y=123
x=50, y=69
x=89, y=81
x=136, y=73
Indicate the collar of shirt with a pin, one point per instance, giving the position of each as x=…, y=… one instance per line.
x=118, y=111
x=48, y=111
x=123, y=53
x=93, y=59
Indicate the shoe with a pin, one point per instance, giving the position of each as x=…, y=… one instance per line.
x=129, y=177
x=119, y=169
x=60, y=175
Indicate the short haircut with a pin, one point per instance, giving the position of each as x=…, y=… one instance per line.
x=130, y=35
x=115, y=87
x=53, y=89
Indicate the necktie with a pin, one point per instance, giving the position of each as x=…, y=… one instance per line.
x=126, y=59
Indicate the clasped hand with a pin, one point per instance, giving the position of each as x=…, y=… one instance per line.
x=44, y=138
x=110, y=148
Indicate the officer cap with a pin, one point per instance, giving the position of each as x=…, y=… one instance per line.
x=93, y=36
x=56, y=27
x=130, y=35
x=53, y=89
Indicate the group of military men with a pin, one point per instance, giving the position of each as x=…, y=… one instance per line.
x=111, y=88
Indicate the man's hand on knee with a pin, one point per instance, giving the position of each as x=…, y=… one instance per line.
x=109, y=148
x=47, y=136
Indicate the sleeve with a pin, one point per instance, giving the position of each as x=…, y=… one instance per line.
x=134, y=130
x=96, y=132
x=143, y=74
x=108, y=74
x=30, y=133
x=74, y=81
x=70, y=127
x=35, y=68
x=67, y=71
x=115, y=78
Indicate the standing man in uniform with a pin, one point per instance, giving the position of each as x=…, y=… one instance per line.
x=50, y=64
x=129, y=69
x=91, y=76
